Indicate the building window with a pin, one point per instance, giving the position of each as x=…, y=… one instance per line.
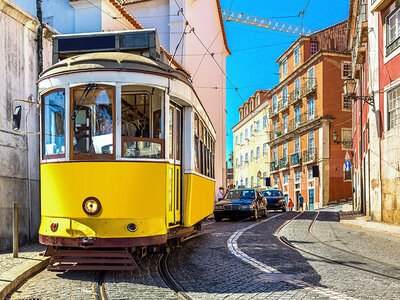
x=258, y=127
x=285, y=124
x=237, y=140
x=258, y=181
x=284, y=96
x=258, y=100
x=264, y=176
x=251, y=155
x=297, y=117
x=275, y=103
x=284, y=67
x=241, y=138
x=393, y=31
x=347, y=137
x=347, y=104
x=314, y=48
x=346, y=69
x=296, y=56
x=265, y=149
x=246, y=134
x=276, y=181
x=241, y=160
x=251, y=130
x=265, y=122
x=297, y=88
x=297, y=176
x=275, y=155
x=311, y=110
x=252, y=105
x=247, y=182
x=286, y=178
x=258, y=152
x=241, y=114
x=394, y=107
x=297, y=145
x=285, y=150
x=246, y=111
x=309, y=173
x=252, y=181
x=246, y=158
x=311, y=141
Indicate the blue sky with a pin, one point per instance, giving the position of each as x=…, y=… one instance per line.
x=251, y=66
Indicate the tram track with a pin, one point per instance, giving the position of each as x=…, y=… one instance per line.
x=310, y=233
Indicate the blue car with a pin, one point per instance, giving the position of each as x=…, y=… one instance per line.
x=275, y=199
x=241, y=203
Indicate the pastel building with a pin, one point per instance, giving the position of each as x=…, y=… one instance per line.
x=374, y=37
x=250, y=142
x=305, y=109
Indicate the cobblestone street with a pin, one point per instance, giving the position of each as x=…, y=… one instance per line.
x=289, y=255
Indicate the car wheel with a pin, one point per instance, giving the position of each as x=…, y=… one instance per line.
x=218, y=219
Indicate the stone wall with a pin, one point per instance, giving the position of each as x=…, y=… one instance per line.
x=19, y=153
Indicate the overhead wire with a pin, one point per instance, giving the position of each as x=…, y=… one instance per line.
x=212, y=56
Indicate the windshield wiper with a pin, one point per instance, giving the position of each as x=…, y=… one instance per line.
x=89, y=87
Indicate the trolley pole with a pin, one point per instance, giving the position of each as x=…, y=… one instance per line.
x=15, y=229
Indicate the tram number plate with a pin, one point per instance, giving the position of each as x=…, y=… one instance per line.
x=228, y=207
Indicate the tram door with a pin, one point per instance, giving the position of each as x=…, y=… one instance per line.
x=174, y=170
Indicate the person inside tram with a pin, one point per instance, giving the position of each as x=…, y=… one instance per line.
x=131, y=125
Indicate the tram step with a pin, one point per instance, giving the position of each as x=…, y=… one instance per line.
x=98, y=259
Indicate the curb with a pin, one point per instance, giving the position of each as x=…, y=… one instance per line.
x=377, y=230
x=15, y=276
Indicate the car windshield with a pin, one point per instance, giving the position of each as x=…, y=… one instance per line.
x=240, y=194
x=272, y=193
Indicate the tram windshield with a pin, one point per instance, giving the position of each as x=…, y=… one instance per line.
x=141, y=123
x=93, y=129
x=53, y=138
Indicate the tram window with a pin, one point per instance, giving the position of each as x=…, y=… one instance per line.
x=178, y=134
x=53, y=124
x=142, y=124
x=196, y=143
x=92, y=117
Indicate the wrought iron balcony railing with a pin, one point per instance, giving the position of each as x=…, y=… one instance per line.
x=283, y=163
x=310, y=155
x=308, y=87
x=295, y=159
x=273, y=166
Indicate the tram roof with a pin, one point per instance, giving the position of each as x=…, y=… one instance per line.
x=117, y=61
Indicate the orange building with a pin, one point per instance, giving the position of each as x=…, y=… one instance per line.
x=307, y=108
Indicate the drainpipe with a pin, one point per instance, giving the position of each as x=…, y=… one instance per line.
x=39, y=36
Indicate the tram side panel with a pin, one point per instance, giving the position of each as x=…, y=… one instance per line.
x=199, y=198
x=128, y=193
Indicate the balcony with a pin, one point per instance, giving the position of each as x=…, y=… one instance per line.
x=310, y=156
x=361, y=36
x=308, y=87
x=282, y=104
x=275, y=133
x=273, y=166
x=294, y=97
x=295, y=160
x=283, y=163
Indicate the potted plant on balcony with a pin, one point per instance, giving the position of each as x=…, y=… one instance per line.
x=278, y=133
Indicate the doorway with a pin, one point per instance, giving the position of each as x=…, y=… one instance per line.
x=174, y=168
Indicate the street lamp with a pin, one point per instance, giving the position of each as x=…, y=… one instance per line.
x=349, y=90
x=347, y=144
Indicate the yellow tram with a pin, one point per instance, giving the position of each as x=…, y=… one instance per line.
x=127, y=149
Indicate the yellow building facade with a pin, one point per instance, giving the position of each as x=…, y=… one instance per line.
x=250, y=142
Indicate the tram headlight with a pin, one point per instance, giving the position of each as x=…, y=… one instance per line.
x=54, y=226
x=91, y=206
x=132, y=227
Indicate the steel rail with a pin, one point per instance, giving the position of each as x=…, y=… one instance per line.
x=289, y=244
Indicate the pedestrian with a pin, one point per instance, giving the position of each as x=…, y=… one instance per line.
x=301, y=200
x=290, y=204
x=220, y=193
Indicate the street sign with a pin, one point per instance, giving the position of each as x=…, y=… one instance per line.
x=347, y=165
x=347, y=157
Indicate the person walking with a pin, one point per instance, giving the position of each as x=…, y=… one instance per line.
x=301, y=200
x=220, y=193
x=290, y=204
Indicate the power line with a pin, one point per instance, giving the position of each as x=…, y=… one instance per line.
x=201, y=42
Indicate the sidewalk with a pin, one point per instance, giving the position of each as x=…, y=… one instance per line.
x=13, y=271
x=353, y=218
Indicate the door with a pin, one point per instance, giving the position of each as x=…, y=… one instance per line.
x=174, y=168
x=311, y=199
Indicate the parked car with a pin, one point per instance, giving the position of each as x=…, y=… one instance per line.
x=275, y=199
x=241, y=203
